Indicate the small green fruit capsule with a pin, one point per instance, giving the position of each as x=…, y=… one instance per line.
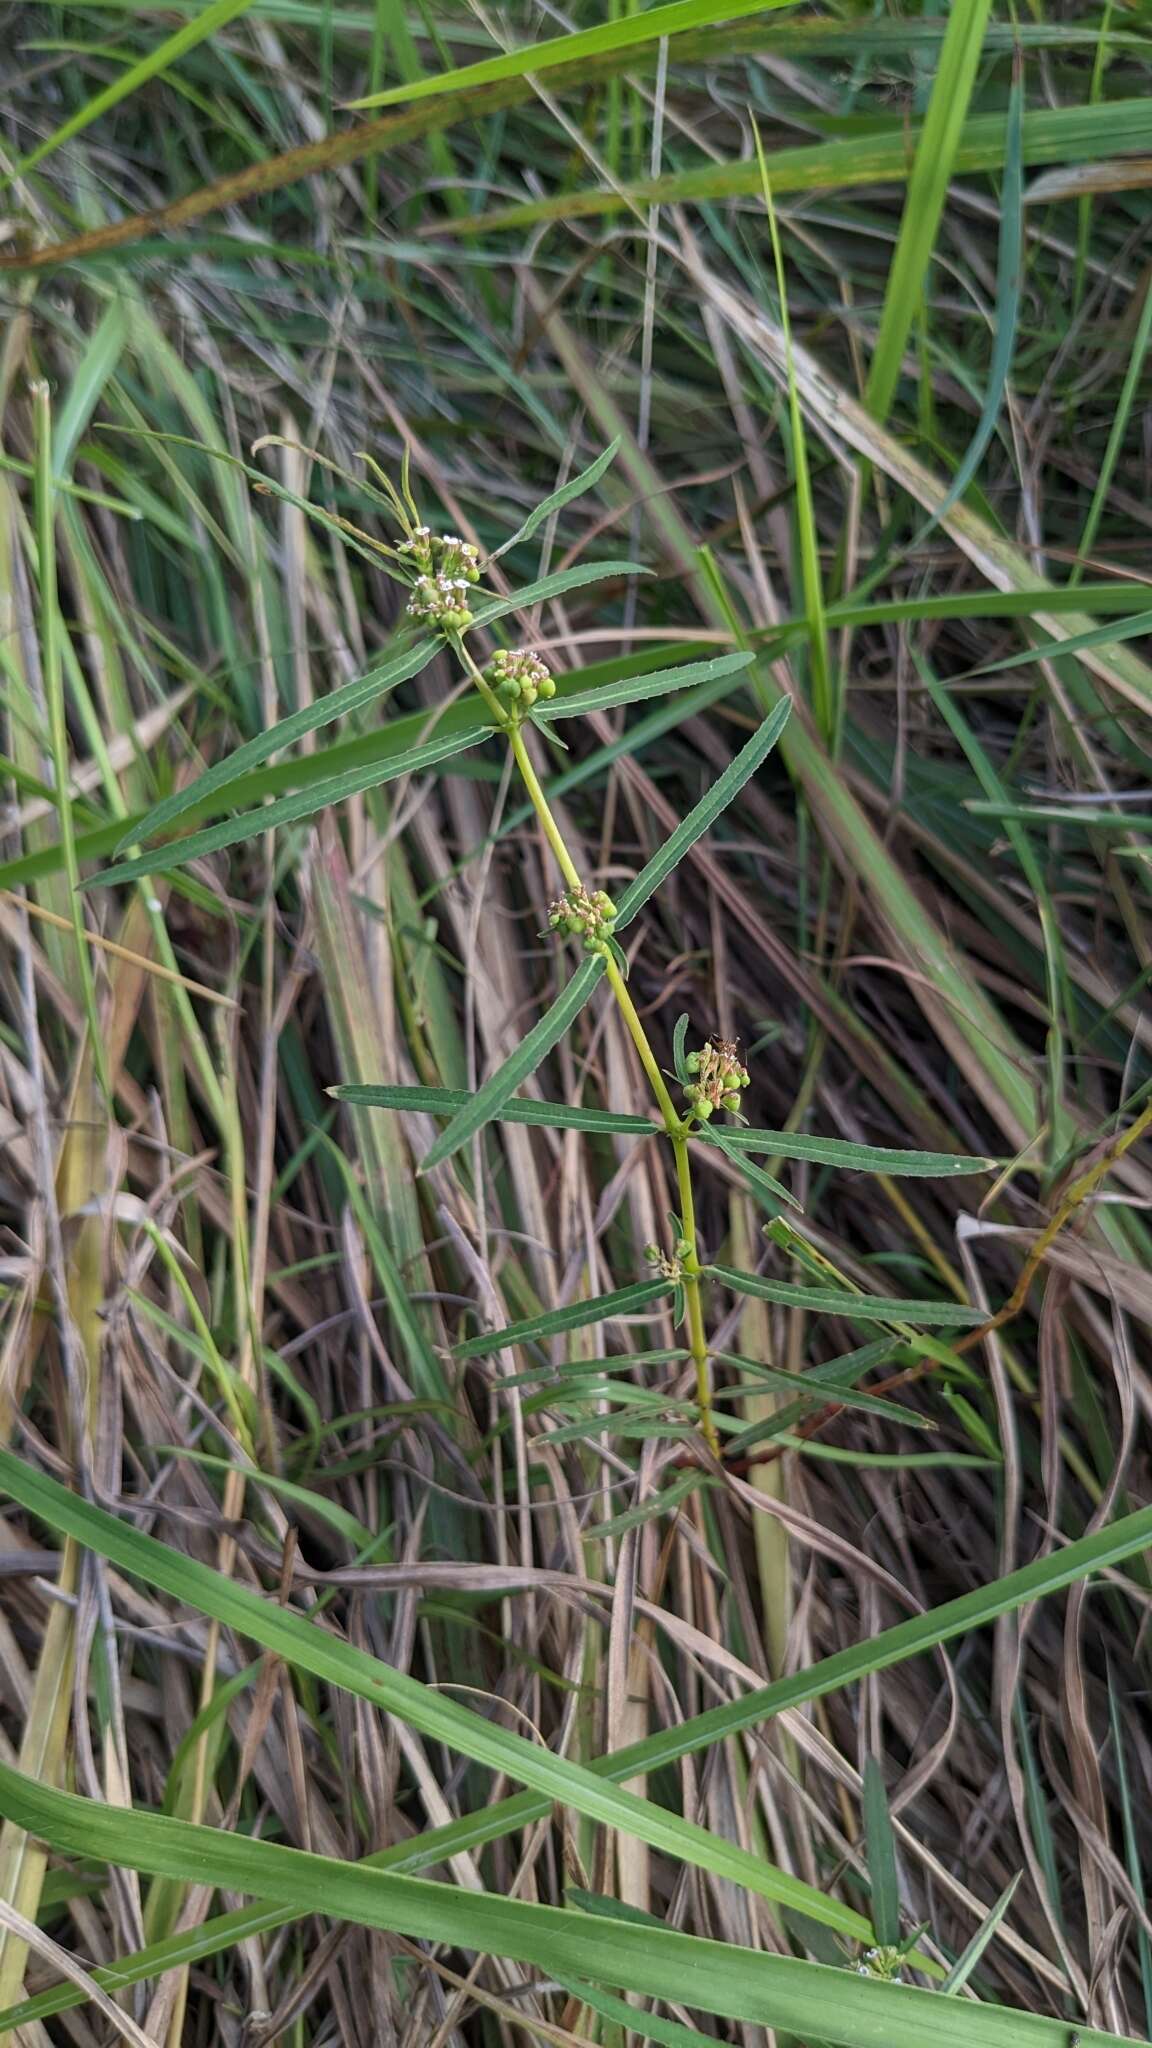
x=547, y=686
x=693, y=1063
x=703, y=1109
x=731, y=1101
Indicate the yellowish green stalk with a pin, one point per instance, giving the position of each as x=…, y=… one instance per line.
x=675, y=1126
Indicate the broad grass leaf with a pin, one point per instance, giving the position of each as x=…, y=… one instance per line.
x=739, y=1983
x=635, y=32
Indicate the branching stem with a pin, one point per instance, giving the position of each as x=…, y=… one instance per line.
x=675, y=1126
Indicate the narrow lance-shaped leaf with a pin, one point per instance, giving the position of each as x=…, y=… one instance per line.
x=880, y=1842
x=866, y=1308
x=578, y=1315
x=808, y=1999
x=636, y=688
x=545, y=1033
x=560, y=1116
x=854, y=1158
x=574, y=488
x=808, y=1390
x=763, y=1185
x=555, y=585
x=310, y=717
x=286, y=810
x=703, y=814
x=785, y=1144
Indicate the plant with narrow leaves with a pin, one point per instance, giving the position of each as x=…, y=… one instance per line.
x=516, y=689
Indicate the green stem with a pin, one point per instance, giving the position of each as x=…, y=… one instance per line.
x=675, y=1126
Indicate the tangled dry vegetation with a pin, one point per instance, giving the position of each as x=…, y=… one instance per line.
x=238, y=1321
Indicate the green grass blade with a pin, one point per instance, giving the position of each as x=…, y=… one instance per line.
x=714, y=1977
x=286, y=810
x=578, y=1315
x=310, y=1648
x=207, y=22
x=702, y=815
x=266, y=1622
x=635, y=32
x=1065, y=135
x=637, y=688
x=937, y=148
x=824, y=707
x=641, y=2025
x=866, y=1308
x=551, y=1116
x=962, y=1969
x=310, y=718
x=51, y=660
x=880, y=1844
x=545, y=1033
x=1134, y=628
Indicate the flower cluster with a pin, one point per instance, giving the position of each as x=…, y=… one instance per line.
x=880, y=1962
x=668, y=1268
x=718, y=1077
x=447, y=568
x=518, y=678
x=586, y=914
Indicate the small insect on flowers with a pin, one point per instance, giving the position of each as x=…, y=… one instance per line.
x=719, y=1076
